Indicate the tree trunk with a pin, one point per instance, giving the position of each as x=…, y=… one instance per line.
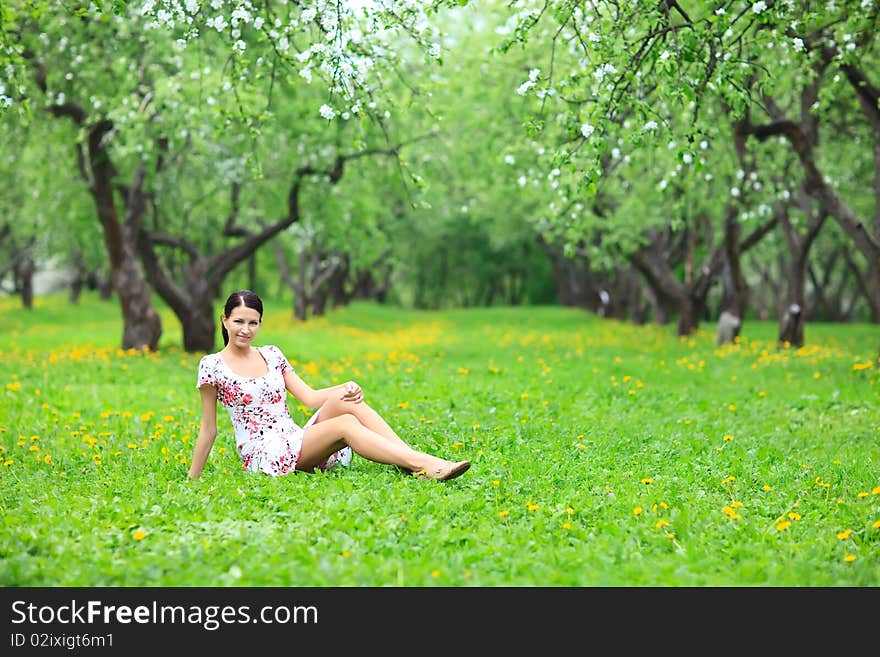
x=199, y=324
x=25, y=275
x=142, y=326
x=791, y=328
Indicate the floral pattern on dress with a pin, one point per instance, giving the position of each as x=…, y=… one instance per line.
x=266, y=437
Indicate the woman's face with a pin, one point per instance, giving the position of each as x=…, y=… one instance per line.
x=242, y=326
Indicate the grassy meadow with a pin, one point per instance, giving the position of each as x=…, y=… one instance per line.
x=604, y=454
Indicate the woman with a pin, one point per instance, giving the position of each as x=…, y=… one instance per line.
x=252, y=383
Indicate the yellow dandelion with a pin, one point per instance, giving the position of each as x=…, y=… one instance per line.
x=862, y=494
x=794, y=516
x=875, y=490
x=730, y=512
x=404, y=404
x=346, y=554
x=47, y=459
x=727, y=436
x=849, y=558
x=732, y=407
x=670, y=535
x=504, y=513
x=845, y=534
x=816, y=375
x=876, y=524
x=661, y=523
x=566, y=525
x=766, y=488
x=782, y=526
x=727, y=480
x=435, y=573
x=637, y=511
x=736, y=505
x=139, y=535
x=647, y=480
x=762, y=394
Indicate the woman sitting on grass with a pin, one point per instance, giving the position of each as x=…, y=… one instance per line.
x=252, y=383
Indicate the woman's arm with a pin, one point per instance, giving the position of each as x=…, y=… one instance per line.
x=207, y=431
x=349, y=391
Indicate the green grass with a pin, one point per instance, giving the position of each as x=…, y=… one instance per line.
x=604, y=454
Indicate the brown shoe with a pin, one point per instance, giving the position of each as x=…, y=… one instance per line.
x=444, y=474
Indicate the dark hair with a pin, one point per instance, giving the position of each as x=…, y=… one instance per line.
x=236, y=299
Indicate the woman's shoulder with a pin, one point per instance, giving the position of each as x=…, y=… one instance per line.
x=209, y=359
x=274, y=355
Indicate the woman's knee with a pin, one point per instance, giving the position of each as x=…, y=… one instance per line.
x=336, y=407
x=345, y=421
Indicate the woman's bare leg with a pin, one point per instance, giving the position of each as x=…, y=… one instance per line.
x=368, y=416
x=329, y=435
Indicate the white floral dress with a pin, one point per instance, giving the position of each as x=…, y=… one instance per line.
x=266, y=437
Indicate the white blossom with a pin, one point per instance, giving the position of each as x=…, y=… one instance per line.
x=759, y=6
x=650, y=126
x=798, y=44
x=509, y=159
x=524, y=87
x=327, y=112
x=587, y=130
x=218, y=23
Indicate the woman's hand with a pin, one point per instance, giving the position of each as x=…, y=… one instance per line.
x=352, y=392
